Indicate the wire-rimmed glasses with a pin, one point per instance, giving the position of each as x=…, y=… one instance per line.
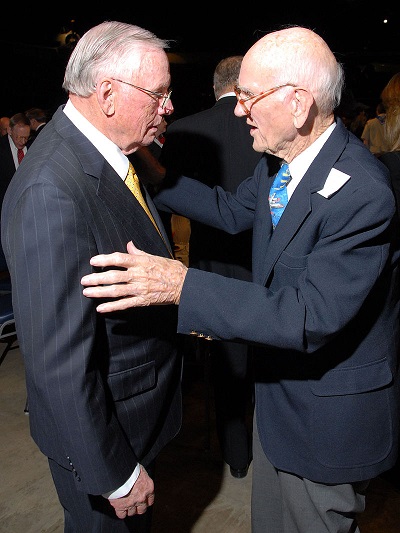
x=165, y=97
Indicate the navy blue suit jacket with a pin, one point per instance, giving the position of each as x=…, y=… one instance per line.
x=104, y=390
x=323, y=311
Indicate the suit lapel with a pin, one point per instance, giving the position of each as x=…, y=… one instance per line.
x=113, y=192
x=119, y=200
x=301, y=203
x=293, y=217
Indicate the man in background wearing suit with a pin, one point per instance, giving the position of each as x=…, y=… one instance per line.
x=13, y=148
x=104, y=391
x=215, y=147
x=323, y=308
x=38, y=119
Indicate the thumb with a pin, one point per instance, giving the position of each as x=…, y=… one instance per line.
x=132, y=250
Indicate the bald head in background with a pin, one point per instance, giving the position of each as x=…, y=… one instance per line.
x=4, y=123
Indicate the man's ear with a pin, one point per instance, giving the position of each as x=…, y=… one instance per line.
x=105, y=96
x=301, y=104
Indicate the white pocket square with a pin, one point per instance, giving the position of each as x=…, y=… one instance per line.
x=335, y=181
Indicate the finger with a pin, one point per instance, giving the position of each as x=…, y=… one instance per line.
x=113, y=291
x=121, y=513
x=110, y=277
x=121, y=305
x=116, y=259
x=131, y=248
x=141, y=507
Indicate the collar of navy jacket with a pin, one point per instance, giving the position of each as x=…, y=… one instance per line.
x=303, y=201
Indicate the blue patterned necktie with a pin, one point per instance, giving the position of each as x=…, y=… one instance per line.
x=278, y=197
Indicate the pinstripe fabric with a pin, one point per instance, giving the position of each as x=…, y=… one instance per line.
x=104, y=391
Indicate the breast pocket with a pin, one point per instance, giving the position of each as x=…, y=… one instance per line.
x=288, y=269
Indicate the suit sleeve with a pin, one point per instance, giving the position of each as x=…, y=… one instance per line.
x=329, y=273
x=232, y=213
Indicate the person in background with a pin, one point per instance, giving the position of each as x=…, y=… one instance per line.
x=104, y=392
x=215, y=147
x=325, y=328
x=4, y=123
x=38, y=119
x=13, y=148
x=391, y=157
x=361, y=116
x=373, y=133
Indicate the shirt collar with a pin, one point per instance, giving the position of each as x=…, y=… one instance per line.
x=300, y=164
x=226, y=94
x=110, y=151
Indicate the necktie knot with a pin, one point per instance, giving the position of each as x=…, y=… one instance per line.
x=278, y=197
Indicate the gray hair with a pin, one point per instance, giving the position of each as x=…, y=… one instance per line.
x=326, y=82
x=106, y=49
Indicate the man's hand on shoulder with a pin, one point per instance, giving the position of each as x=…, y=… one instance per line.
x=141, y=279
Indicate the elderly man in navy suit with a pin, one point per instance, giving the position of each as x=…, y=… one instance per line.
x=323, y=309
x=104, y=391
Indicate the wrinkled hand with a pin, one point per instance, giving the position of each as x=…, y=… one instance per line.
x=138, y=499
x=145, y=280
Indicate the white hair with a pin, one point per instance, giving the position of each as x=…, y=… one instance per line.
x=106, y=49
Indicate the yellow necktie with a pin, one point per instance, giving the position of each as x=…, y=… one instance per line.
x=132, y=182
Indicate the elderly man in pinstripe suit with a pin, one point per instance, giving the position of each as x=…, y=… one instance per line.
x=104, y=391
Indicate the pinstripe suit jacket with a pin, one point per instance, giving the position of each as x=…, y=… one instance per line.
x=104, y=391
x=323, y=310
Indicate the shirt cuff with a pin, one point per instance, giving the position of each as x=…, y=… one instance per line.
x=126, y=487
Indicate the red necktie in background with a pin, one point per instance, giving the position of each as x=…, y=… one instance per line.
x=20, y=155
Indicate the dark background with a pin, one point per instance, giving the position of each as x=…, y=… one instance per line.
x=32, y=60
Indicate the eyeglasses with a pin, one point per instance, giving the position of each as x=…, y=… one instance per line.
x=250, y=96
x=165, y=97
